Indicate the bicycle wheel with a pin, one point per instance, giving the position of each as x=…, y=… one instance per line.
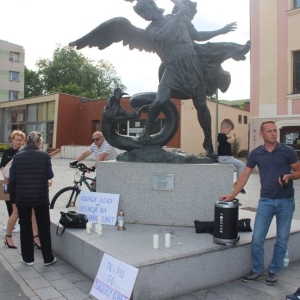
x=64, y=197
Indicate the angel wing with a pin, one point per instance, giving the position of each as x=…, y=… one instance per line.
x=113, y=31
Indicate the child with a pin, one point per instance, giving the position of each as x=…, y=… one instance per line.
x=224, y=148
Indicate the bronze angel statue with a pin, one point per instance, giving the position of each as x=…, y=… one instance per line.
x=188, y=70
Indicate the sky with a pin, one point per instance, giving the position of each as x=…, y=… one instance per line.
x=41, y=25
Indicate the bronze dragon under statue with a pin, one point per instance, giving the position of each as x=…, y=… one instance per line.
x=113, y=114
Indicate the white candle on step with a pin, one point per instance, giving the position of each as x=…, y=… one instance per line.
x=155, y=240
x=100, y=220
x=167, y=240
x=99, y=230
x=89, y=227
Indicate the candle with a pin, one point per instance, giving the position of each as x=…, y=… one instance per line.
x=100, y=220
x=155, y=240
x=120, y=221
x=99, y=230
x=167, y=240
x=89, y=227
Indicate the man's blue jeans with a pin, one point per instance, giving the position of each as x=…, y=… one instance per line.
x=283, y=209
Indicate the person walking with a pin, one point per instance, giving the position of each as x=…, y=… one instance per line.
x=29, y=174
x=275, y=162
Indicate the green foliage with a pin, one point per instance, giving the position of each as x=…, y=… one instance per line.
x=72, y=73
x=33, y=84
x=236, y=146
x=3, y=147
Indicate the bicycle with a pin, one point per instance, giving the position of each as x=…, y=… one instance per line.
x=67, y=196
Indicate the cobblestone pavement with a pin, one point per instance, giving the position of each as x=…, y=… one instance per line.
x=61, y=281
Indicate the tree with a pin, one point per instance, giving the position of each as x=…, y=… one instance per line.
x=72, y=73
x=33, y=85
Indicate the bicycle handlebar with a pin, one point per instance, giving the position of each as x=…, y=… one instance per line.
x=83, y=168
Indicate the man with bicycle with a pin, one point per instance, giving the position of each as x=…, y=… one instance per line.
x=101, y=149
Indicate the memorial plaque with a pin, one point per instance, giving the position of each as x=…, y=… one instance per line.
x=162, y=182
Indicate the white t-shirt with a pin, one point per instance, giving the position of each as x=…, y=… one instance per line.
x=105, y=147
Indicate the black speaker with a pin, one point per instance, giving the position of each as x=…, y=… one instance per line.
x=226, y=222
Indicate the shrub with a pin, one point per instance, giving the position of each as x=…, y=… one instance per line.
x=3, y=147
x=236, y=146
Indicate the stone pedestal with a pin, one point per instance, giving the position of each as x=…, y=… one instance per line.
x=190, y=195
x=166, y=273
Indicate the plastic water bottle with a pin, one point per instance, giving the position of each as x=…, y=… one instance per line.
x=286, y=259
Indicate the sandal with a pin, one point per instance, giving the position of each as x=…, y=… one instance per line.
x=7, y=244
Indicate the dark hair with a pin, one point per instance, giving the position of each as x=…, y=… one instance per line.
x=227, y=122
x=263, y=124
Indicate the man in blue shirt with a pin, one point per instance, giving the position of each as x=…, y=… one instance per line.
x=275, y=162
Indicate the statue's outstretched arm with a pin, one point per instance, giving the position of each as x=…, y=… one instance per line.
x=207, y=35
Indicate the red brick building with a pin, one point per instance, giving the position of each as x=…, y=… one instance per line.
x=68, y=120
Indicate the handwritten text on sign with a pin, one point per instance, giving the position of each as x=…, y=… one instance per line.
x=99, y=204
x=115, y=279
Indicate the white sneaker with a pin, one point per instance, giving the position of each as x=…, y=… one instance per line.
x=17, y=228
x=26, y=263
x=50, y=263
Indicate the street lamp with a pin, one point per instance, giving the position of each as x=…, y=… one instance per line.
x=217, y=121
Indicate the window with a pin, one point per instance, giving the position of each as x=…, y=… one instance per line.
x=245, y=120
x=13, y=95
x=296, y=72
x=51, y=111
x=14, y=56
x=14, y=76
x=296, y=3
x=6, y=115
x=40, y=117
x=14, y=114
x=32, y=113
x=42, y=111
x=13, y=118
x=22, y=113
x=240, y=119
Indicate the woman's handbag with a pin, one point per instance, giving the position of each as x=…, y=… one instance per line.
x=71, y=219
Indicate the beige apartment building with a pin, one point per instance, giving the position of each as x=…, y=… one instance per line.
x=12, y=58
x=275, y=69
